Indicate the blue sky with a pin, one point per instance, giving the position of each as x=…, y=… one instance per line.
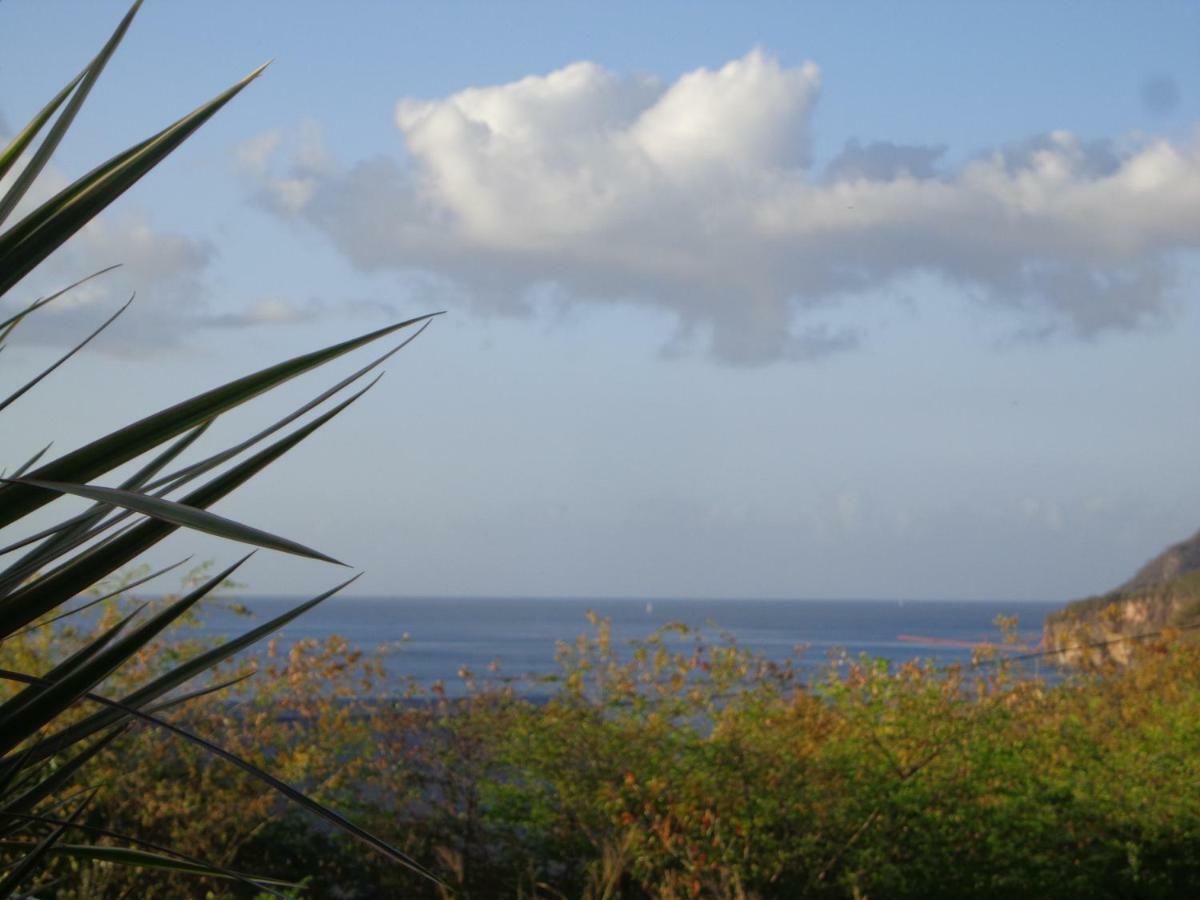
x=845, y=300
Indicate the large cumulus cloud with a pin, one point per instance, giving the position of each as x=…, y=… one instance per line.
x=700, y=198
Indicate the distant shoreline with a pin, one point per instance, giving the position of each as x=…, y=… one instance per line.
x=429, y=640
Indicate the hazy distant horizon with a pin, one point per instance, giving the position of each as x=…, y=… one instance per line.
x=578, y=598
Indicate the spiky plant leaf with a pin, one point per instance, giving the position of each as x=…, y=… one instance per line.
x=29, y=385
x=103, y=851
x=23, y=138
x=46, y=592
x=123, y=589
x=106, y=453
x=178, y=676
x=62, y=776
x=129, y=856
x=64, y=533
x=296, y=796
x=182, y=514
x=78, y=90
x=40, y=754
x=7, y=326
x=23, y=715
x=26, y=244
x=28, y=863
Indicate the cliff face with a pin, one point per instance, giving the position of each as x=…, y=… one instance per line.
x=1164, y=594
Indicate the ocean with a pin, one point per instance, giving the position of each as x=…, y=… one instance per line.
x=429, y=639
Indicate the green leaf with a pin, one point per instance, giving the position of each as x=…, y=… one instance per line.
x=36, y=776
x=58, y=586
x=23, y=715
x=281, y=787
x=22, y=699
x=81, y=524
x=59, y=778
x=13, y=321
x=255, y=882
x=45, y=229
x=188, y=472
x=25, y=867
x=128, y=856
x=62, y=359
x=79, y=656
x=139, y=480
x=50, y=144
x=183, y=515
x=106, y=453
x=180, y=675
x=30, y=462
x=19, y=143
x=199, y=692
x=121, y=590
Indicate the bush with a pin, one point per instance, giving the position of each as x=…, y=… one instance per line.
x=676, y=767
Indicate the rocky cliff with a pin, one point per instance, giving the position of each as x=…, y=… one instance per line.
x=1164, y=594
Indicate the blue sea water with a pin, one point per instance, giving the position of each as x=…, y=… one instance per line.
x=431, y=639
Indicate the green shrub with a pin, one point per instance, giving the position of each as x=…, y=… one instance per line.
x=677, y=767
x=669, y=770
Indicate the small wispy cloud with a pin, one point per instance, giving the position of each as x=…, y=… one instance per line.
x=252, y=156
x=266, y=311
x=1160, y=94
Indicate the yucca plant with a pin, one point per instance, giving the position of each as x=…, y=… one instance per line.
x=53, y=722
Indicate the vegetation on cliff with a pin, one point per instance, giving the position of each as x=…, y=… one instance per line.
x=1164, y=596
x=1176, y=561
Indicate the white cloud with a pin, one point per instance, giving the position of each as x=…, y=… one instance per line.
x=167, y=270
x=700, y=198
x=252, y=155
x=267, y=311
x=1046, y=513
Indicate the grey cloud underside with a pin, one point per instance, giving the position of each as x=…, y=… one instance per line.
x=168, y=272
x=884, y=161
x=698, y=199
x=168, y=275
x=166, y=317
x=373, y=215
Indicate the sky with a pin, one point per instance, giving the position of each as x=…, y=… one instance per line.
x=785, y=300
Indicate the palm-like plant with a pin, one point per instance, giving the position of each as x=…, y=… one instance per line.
x=45, y=738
